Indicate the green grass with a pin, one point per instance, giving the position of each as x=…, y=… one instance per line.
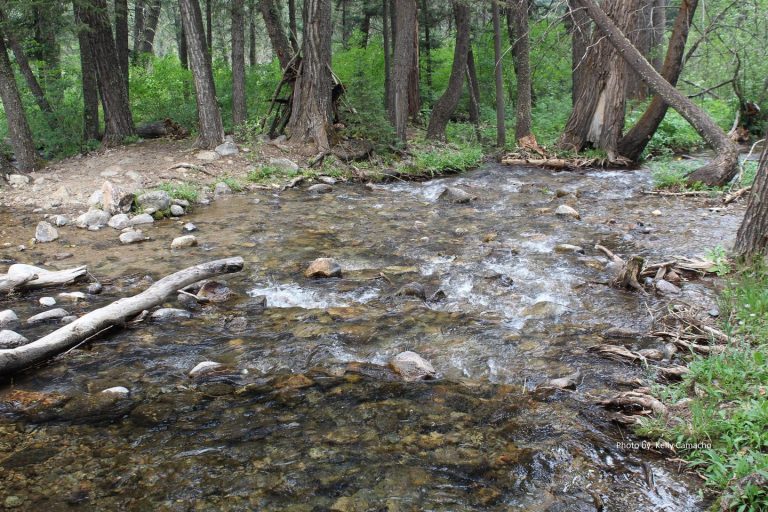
x=728, y=413
x=439, y=159
x=232, y=183
x=185, y=191
x=671, y=173
x=269, y=172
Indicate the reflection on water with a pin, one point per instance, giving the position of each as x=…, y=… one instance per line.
x=305, y=414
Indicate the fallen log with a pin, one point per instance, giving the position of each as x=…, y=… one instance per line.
x=21, y=277
x=117, y=313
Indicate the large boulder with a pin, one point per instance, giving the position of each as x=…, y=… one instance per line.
x=10, y=339
x=45, y=232
x=456, y=195
x=154, y=201
x=411, y=366
x=115, y=199
x=8, y=319
x=323, y=267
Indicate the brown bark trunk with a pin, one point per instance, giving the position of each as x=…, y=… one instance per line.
x=474, y=88
x=280, y=44
x=414, y=93
x=521, y=49
x=752, y=237
x=151, y=19
x=445, y=106
x=387, y=54
x=501, y=129
x=238, y=63
x=48, y=48
x=121, y=37
x=311, y=115
x=580, y=28
x=209, y=28
x=89, y=81
x=405, y=44
x=640, y=36
x=293, y=31
x=659, y=22
x=634, y=142
x=18, y=128
x=118, y=120
x=211, y=130
x=724, y=166
x=138, y=28
x=181, y=42
x=427, y=43
x=251, y=33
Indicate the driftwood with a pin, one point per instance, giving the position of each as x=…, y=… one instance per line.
x=21, y=277
x=628, y=272
x=191, y=167
x=115, y=314
x=164, y=128
x=635, y=402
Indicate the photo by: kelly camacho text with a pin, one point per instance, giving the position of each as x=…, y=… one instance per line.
x=661, y=445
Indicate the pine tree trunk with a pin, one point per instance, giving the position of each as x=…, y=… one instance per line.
x=427, y=43
x=414, y=91
x=211, y=130
x=251, y=33
x=18, y=128
x=181, y=41
x=209, y=29
x=293, y=31
x=138, y=29
x=659, y=21
x=724, y=166
x=238, y=63
x=501, y=129
x=150, y=26
x=641, y=37
x=400, y=108
x=521, y=49
x=387, y=54
x=114, y=95
x=280, y=43
x=311, y=115
x=474, y=88
x=88, y=79
x=445, y=106
x=634, y=142
x=121, y=37
x=752, y=237
x=48, y=49
x=579, y=26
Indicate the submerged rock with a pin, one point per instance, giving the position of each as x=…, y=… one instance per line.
x=132, y=237
x=320, y=188
x=8, y=319
x=182, y=242
x=566, y=211
x=566, y=248
x=47, y=301
x=412, y=290
x=11, y=339
x=45, y=316
x=567, y=382
x=215, y=291
x=204, y=367
x=411, y=366
x=323, y=267
x=143, y=218
x=166, y=314
x=189, y=227
x=95, y=288
x=456, y=195
x=45, y=232
x=120, y=391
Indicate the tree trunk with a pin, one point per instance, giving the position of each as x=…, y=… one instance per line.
x=474, y=88
x=18, y=128
x=211, y=130
x=634, y=142
x=238, y=63
x=121, y=37
x=293, y=31
x=48, y=48
x=312, y=113
x=182, y=42
x=501, y=129
x=150, y=26
x=365, y=26
x=724, y=166
x=387, y=54
x=578, y=24
x=209, y=29
x=427, y=43
x=342, y=4
x=414, y=91
x=521, y=49
x=405, y=44
x=89, y=80
x=138, y=28
x=752, y=237
x=251, y=33
x=114, y=95
x=659, y=24
x=641, y=36
x=445, y=106
x=280, y=44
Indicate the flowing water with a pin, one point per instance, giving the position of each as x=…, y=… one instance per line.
x=306, y=416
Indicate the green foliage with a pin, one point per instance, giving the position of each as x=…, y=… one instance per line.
x=163, y=89
x=232, y=183
x=432, y=160
x=719, y=257
x=671, y=173
x=183, y=190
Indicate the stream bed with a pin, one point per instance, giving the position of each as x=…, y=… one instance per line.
x=305, y=415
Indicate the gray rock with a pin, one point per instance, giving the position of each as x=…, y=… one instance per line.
x=46, y=316
x=323, y=267
x=72, y=296
x=120, y=391
x=567, y=382
x=8, y=319
x=18, y=180
x=176, y=210
x=412, y=290
x=67, y=319
x=60, y=220
x=95, y=198
x=115, y=199
x=180, y=202
x=284, y=164
x=204, y=367
x=566, y=211
x=208, y=156
x=47, y=301
x=215, y=291
x=543, y=309
x=132, y=237
x=45, y=232
x=666, y=288
x=238, y=324
x=165, y=314
x=143, y=218
x=119, y=221
x=411, y=366
x=438, y=296
x=565, y=248
x=189, y=227
x=456, y=195
x=226, y=149
x=320, y=188
x=328, y=180
x=221, y=189
x=182, y=242
x=10, y=339
x=95, y=288
x=155, y=200
x=93, y=219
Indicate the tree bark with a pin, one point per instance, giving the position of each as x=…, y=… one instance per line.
x=151, y=19
x=251, y=33
x=474, y=88
x=659, y=24
x=579, y=26
x=724, y=166
x=209, y=29
x=89, y=81
x=115, y=314
x=181, y=43
x=752, y=237
x=634, y=142
x=118, y=120
x=521, y=49
x=401, y=81
x=293, y=31
x=18, y=128
x=501, y=129
x=280, y=43
x=387, y=54
x=138, y=28
x=445, y=106
x=121, y=37
x=427, y=42
x=238, y=63
x=312, y=113
x=48, y=48
x=211, y=129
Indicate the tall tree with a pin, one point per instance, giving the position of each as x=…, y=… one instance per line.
x=577, y=22
x=121, y=37
x=89, y=81
x=47, y=48
x=426, y=21
x=447, y=103
x=311, y=114
x=209, y=27
x=138, y=28
x=151, y=20
x=501, y=130
x=521, y=50
x=293, y=33
x=387, y=53
x=251, y=33
x=211, y=129
x=118, y=121
x=238, y=62
x=405, y=56
x=18, y=128
x=280, y=44
x=633, y=143
x=181, y=41
x=752, y=237
x=724, y=166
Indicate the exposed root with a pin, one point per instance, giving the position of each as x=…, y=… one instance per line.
x=636, y=403
x=618, y=353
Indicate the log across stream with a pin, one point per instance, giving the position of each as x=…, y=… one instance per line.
x=303, y=413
